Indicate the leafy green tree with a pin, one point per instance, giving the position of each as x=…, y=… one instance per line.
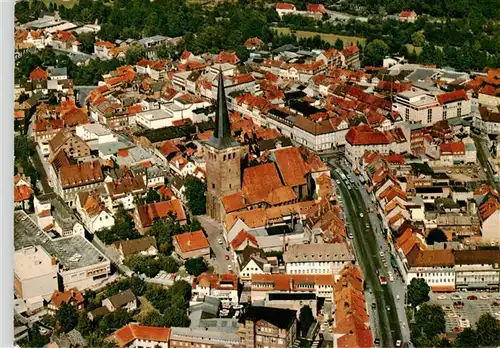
x=195, y=195
x=95, y=340
x=87, y=41
x=67, y=317
x=467, y=339
x=194, y=225
x=35, y=338
x=338, y=45
x=430, y=318
x=418, y=292
x=375, y=52
x=163, y=230
x=182, y=289
x=488, y=331
x=418, y=38
x=195, y=266
x=134, y=54
x=113, y=321
x=152, y=196
x=84, y=325
x=306, y=319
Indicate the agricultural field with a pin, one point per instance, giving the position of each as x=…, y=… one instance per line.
x=330, y=38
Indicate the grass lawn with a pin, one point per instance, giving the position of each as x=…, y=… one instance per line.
x=145, y=308
x=330, y=38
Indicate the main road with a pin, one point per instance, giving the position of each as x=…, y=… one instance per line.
x=367, y=249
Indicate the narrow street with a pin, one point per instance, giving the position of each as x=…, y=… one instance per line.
x=387, y=326
x=213, y=230
x=483, y=154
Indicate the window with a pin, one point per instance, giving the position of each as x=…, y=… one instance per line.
x=407, y=115
x=459, y=112
x=429, y=115
x=444, y=114
x=213, y=186
x=224, y=158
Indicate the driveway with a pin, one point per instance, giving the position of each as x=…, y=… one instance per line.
x=214, y=231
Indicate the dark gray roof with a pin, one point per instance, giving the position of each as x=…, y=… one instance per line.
x=281, y=318
x=122, y=298
x=250, y=253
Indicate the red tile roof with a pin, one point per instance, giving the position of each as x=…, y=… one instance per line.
x=39, y=74
x=22, y=193
x=241, y=237
x=430, y=258
x=292, y=167
x=350, y=50
x=452, y=97
x=453, y=148
x=365, y=135
x=226, y=281
x=127, y=334
x=82, y=174
x=71, y=295
x=287, y=282
x=149, y=212
x=259, y=181
x=106, y=44
x=316, y=8
x=489, y=207
x=406, y=14
x=168, y=148
x=191, y=241
x=253, y=42
x=226, y=57
x=285, y=6
x=233, y=202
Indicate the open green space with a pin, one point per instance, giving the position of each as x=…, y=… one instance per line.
x=330, y=38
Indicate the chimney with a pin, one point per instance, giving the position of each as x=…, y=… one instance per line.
x=53, y=260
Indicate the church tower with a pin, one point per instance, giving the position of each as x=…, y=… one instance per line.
x=223, y=158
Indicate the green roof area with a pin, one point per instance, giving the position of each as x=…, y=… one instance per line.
x=470, y=147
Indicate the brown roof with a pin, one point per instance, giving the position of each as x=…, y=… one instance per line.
x=241, y=237
x=192, y=241
x=430, y=258
x=292, y=167
x=149, y=212
x=71, y=295
x=75, y=175
x=127, y=334
x=125, y=185
x=226, y=281
x=286, y=282
x=468, y=257
x=259, y=181
x=59, y=139
x=133, y=246
x=233, y=202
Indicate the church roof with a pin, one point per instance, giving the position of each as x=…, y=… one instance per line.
x=221, y=137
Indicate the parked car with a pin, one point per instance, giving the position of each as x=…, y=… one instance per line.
x=350, y=235
x=456, y=297
x=398, y=343
x=361, y=215
x=472, y=297
x=227, y=257
x=219, y=240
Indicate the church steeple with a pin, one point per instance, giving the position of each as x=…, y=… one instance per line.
x=222, y=133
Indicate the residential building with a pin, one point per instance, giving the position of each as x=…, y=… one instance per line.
x=123, y=191
x=125, y=300
x=143, y=246
x=72, y=297
x=93, y=211
x=135, y=336
x=207, y=337
x=252, y=261
x=22, y=192
x=407, y=16
x=268, y=327
x=53, y=214
x=144, y=215
x=436, y=267
x=35, y=273
x=489, y=213
x=488, y=121
x=477, y=269
x=73, y=146
x=284, y=8
x=317, y=258
x=221, y=286
x=191, y=244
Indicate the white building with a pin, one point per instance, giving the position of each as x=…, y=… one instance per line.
x=35, y=273
x=96, y=132
x=317, y=258
x=79, y=263
x=223, y=286
x=93, y=211
x=436, y=267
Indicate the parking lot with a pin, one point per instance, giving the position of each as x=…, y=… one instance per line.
x=463, y=309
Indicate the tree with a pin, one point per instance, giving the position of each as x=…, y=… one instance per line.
x=87, y=41
x=67, y=317
x=35, y=338
x=418, y=292
x=152, y=196
x=338, y=45
x=436, y=235
x=488, y=331
x=375, y=52
x=467, y=339
x=134, y=54
x=195, y=266
x=306, y=318
x=418, y=38
x=430, y=318
x=84, y=325
x=163, y=230
x=195, y=195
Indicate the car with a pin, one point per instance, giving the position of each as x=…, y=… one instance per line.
x=374, y=306
x=381, y=254
x=441, y=297
x=448, y=171
x=349, y=187
x=338, y=182
x=367, y=225
x=484, y=297
x=472, y=297
x=497, y=298
x=398, y=343
x=376, y=341
x=229, y=267
x=238, y=306
x=361, y=215
x=387, y=308
x=219, y=240
x=350, y=235
x=227, y=257
x=456, y=297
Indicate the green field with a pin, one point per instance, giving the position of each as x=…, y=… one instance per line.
x=330, y=38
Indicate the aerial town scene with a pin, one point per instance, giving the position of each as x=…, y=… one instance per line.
x=254, y=173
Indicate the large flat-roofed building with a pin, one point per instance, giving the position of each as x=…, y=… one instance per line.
x=317, y=258
x=79, y=263
x=203, y=337
x=35, y=273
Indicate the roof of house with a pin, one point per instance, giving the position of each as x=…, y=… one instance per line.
x=365, y=135
x=483, y=257
x=407, y=14
x=317, y=253
x=127, y=334
x=233, y=202
x=39, y=74
x=191, y=241
x=74, y=175
x=226, y=57
x=149, y=212
x=290, y=282
x=292, y=167
x=121, y=299
x=58, y=297
x=452, y=97
x=259, y=181
x=316, y=8
x=226, y=281
x=125, y=185
x=453, y=148
x=285, y=6
x=430, y=257
x=22, y=193
x=241, y=237
x=281, y=318
x=133, y=246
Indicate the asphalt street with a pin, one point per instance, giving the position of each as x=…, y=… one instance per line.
x=387, y=326
x=213, y=230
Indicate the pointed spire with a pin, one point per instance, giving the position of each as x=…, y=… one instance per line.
x=222, y=132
